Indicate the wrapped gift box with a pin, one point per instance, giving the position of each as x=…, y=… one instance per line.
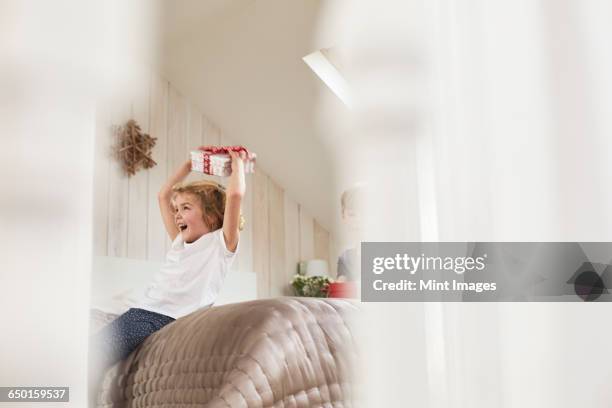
x=216, y=161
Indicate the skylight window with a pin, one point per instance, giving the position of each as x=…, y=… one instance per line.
x=321, y=65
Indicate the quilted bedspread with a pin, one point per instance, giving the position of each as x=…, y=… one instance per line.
x=282, y=352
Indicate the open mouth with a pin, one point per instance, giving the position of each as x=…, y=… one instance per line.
x=182, y=227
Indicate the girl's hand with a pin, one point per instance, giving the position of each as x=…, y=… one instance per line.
x=238, y=159
x=236, y=183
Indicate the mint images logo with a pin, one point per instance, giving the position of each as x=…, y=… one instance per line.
x=588, y=284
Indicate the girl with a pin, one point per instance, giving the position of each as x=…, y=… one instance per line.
x=203, y=221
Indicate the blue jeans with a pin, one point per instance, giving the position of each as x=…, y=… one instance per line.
x=117, y=340
x=123, y=335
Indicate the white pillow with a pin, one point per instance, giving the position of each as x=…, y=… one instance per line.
x=114, y=280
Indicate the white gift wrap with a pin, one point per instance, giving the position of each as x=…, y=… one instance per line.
x=220, y=163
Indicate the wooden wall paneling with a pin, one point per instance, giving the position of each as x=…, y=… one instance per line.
x=178, y=126
x=212, y=134
x=276, y=214
x=261, y=236
x=292, y=239
x=194, y=137
x=306, y=235
x=118, y=181
x=177, y=134
x=102, y=161
x=206, y=131
x=156, y=232
x=321, y=243
x=224, y=140
x=215, y=134
x=139, y=183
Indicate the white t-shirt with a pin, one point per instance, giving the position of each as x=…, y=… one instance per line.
x=191, y=277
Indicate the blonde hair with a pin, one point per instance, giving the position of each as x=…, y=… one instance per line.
x=212, y=201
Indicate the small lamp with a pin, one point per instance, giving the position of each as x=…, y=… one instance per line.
x=317, y=267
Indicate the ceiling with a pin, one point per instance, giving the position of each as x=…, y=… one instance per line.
x=241, y=63
x=178, y=18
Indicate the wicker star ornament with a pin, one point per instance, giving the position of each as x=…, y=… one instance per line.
x=134, y=148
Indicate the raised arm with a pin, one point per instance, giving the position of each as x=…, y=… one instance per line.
x=233, y=198
x=164, y=196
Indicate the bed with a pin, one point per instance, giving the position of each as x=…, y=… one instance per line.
x=280, y=352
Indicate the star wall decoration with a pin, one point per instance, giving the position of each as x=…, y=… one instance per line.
x=134, y=148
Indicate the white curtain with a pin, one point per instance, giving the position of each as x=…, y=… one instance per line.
x=483, y=120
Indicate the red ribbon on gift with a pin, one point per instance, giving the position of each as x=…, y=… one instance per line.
x=210, y=150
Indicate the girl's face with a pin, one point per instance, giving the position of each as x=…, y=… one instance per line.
x=188, y=217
